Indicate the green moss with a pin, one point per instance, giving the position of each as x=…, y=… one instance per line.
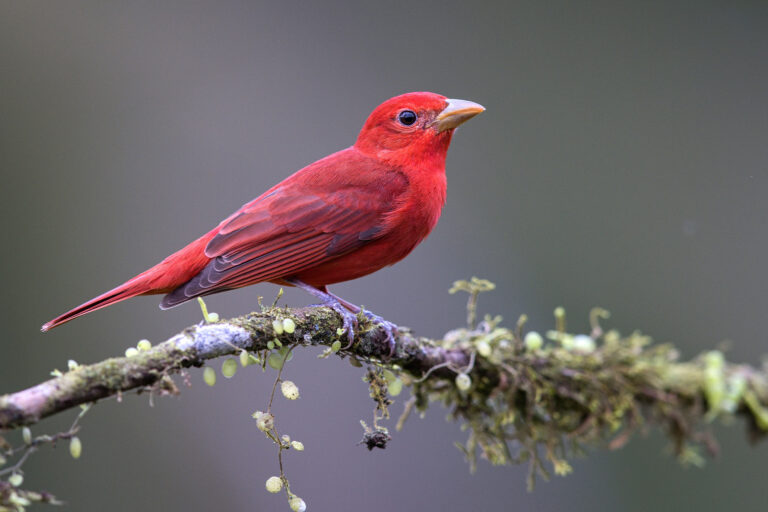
x=521, y=398
x=529, y=404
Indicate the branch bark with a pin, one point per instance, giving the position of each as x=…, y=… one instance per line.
x=196, y=344
x=516, y=397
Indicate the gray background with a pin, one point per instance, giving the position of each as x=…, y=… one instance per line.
x=622, y=162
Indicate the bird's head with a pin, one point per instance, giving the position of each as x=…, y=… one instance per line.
x=416, y=126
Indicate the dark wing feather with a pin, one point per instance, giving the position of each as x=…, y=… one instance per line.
x=291, y=229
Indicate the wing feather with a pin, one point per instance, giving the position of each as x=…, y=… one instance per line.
x=316, y=215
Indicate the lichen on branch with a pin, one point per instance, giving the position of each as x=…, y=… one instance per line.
x=522, y=397
x=255, y=332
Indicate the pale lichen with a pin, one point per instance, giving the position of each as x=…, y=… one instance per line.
x=520, y=397
x=535, y=401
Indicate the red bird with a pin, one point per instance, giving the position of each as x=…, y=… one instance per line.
x=340, y=218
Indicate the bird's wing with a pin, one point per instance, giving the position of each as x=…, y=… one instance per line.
x=295, y=226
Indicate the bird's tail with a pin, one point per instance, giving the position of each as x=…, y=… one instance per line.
x=164, y=277
x=126, y=290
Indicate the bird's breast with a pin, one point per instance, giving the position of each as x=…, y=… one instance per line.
x=406, y=226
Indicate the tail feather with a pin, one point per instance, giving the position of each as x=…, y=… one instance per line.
x=122, y=292
x=166, y=276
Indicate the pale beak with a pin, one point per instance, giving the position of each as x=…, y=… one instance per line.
x=456, y=113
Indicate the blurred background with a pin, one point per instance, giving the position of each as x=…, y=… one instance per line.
x=622, y=162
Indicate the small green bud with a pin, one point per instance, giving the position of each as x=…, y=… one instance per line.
x=612, y=336
x=298, y=446
x=583, y=343
x=396, y=387
x=228, y=368
x=213, y=317
x=297, y=504
x=335, y=346
x=339, y=331
x=562, y=467
x=277, y=326
x=209, y=376
x=16, y=479
x=56, y=373
x=463, y=381
x=277, y=342
x=560, y=319
x=285, y=438
x=483, y=348
x=75, y=447
x=566, y=340
x=735, y=387
x=131, y=352
x=274, y=484
x=270, y=345
x=275, y=360
x=265, y=422
x=759, y=413
x=714, y=379
x=533, y=341
x=26, y=434
x=289, y=389
x=72, y=364
x=714, y=360
x=144, y=345
x=289, y=326
x=245, y=360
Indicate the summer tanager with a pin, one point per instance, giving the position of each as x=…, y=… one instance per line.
x=340, y=218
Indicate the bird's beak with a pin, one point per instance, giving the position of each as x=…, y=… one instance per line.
x=456, y=113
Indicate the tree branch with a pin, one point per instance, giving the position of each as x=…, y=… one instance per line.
x=519, y=397
x=195, y=345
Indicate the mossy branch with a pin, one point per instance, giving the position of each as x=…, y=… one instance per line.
x=521, y=398
x=151, y=369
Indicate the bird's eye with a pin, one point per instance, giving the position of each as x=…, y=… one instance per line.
x=407, y=117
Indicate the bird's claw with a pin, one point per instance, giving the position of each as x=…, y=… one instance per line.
x=351, y=323
x=347, y=312
x=349, y=319
x=388, y=327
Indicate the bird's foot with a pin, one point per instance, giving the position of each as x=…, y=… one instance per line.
x=388, y=327
x=348, y=312
x=349, y=319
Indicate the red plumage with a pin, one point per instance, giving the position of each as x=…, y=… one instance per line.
x=340, y=218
